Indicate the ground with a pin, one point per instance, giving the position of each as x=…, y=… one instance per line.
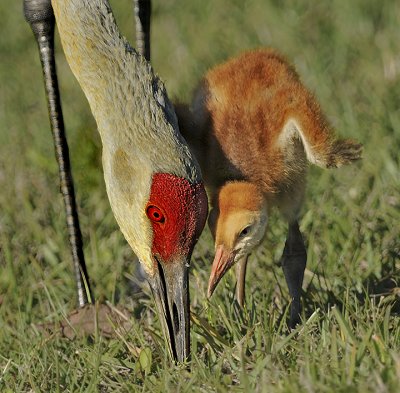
x=347, y=53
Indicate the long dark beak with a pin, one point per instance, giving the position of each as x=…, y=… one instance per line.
x=170, y=287
x=223, y=261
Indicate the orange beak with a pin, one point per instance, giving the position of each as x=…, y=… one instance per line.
x=223, y=261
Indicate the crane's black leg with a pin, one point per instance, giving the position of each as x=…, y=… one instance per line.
x=39, y=14
x=142, y=18
x=293, y=261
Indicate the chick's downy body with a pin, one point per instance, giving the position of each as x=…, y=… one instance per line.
x=254, y=128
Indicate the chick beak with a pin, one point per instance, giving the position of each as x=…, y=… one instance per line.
x=241, y=280
x=170, y=287
x=223, y=260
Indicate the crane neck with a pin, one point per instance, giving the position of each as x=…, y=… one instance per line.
x=128, y=101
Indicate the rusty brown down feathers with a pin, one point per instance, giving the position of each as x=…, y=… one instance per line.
x=237, y=117
x=254, y=127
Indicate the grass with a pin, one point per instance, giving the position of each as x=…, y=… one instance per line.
x=348, y=54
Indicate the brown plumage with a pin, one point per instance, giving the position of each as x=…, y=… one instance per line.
x=253, y=127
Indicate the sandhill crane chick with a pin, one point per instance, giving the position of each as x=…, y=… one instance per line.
x=254, y=127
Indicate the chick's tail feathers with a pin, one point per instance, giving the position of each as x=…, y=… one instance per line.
x=321, y=145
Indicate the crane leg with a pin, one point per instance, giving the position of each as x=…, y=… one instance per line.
x=293, y=262
x=39, y=14
x=142, y=10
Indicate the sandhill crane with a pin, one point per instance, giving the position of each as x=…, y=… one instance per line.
x=39, y=14
x=253, y=126
x=153, y=181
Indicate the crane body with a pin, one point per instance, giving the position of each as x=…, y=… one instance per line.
x=153, y=181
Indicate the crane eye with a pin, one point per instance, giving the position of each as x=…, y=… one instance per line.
x=155, y=214
x=245, y=231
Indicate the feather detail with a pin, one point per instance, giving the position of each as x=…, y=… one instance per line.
x=128, y=100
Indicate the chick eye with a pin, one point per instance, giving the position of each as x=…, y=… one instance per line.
x=245, y=231
x=155, y=214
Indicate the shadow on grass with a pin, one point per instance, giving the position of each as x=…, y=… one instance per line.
x=386, y=289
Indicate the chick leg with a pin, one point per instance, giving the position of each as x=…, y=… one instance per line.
x=293, y=261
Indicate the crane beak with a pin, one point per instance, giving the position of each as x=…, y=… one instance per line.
x=223, y=261
x=170, y=287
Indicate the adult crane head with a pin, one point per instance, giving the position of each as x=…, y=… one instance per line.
x=153, y=182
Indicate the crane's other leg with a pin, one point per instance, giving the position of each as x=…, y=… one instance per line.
x=293, y=262
x=39, y=14
x=142, y=10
